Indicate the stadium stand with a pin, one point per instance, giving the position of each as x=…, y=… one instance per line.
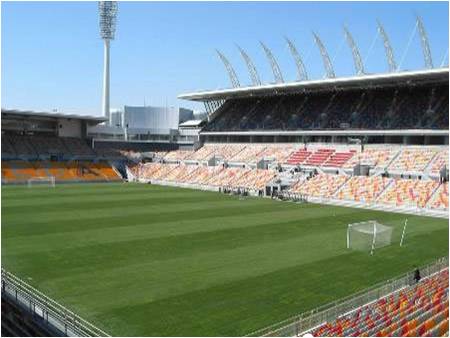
x=440, y=161
x=299, y=156
x=250, y=154
x=418, y=310
x=413, y=160
x=440, y=198
x=325, y=111
x=21, y=171
x=406, y=192
x=363, y=188
x=374, y=157
x=322, y=185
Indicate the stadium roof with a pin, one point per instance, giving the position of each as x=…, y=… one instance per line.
x=377, y=80
x=48, y=115
x=191, y=123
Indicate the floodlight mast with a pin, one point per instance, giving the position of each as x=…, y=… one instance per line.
x=107, y=16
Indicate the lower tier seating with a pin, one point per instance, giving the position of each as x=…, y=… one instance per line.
x=322, y=185
x=413, y=159
x=406, y=192
x=21, y=171
x=363, y=189
x=202, y=175
x=417, y=311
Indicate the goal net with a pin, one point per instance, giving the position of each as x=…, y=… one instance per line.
x=41, y=181
x=368, y=236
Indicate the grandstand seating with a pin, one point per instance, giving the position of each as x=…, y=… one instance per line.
x=439, y=161
x=322, y=185
x=34, y=146
x=440, y=198
x=415, y=159
x=299, y=156
x=418, y=310
x=279, y=153
x=338, y=159
x=406, y=192
x=319, y=157
x=203, y=175
x=77, y=147
x=249, y=154
x=21, y=171
x=377, y=158
x=7, y=148
x=363, y=188
x=320, y=111
x=21, y=145
x=176, y=155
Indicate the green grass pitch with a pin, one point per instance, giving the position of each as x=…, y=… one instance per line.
x=159, y=261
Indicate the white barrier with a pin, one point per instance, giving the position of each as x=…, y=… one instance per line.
x=52, y=313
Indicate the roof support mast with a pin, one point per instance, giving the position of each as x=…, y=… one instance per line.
x=251, y=67
x=273, y=64
x=387, y=48
x=230, y=70
x=325, y=57
x=359, y=65
x=301, y=70
x=425, y=44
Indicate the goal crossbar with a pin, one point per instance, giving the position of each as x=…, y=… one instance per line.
x=41, y=180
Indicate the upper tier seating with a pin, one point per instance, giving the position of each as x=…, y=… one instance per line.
x=363, y=188
x=38, y=145
x=358, y=108
x=440, y=198
x=322, y=185
x=405, y=192
x=21, y=145
x=77, y=147
x=413, y=159
x=45, y=145
x=7, y=148
x=416, y=311
x=377, y=158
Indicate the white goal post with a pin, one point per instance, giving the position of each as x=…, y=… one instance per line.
x=44, y=180
x=368, y=236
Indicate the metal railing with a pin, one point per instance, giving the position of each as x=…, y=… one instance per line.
x=305, y=322
x=52, y=313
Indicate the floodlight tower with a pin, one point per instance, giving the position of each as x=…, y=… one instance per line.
x=108, y=14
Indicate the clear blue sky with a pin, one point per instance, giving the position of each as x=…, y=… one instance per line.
x=52, y=54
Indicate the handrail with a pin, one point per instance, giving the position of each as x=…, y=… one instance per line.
x=303, y=322
x=55, y=314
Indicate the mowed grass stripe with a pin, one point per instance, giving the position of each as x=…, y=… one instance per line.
x=22, y=193
x=193, y=268
x=116, y=254
x=276, y=296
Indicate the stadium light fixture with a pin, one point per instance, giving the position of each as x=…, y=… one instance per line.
x=107, y=16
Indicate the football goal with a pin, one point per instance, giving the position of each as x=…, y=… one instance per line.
x=368, y=236
x=41, y=181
